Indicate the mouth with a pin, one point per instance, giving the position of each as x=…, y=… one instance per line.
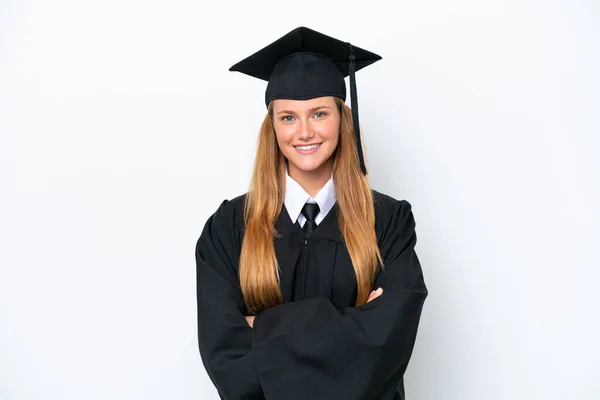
x=308, y=147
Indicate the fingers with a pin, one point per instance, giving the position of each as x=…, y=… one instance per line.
x=374, y=294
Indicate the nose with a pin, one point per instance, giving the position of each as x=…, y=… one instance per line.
x=304, y=130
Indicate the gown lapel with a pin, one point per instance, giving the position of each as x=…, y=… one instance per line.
x=326, y=237
x=288, y=246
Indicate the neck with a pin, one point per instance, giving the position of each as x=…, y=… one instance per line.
x=312, y=181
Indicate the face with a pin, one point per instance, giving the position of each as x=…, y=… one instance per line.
x=307, y=132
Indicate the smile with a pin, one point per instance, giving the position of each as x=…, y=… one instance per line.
x=307, y=148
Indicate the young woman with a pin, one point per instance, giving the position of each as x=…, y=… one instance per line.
x=308, y=285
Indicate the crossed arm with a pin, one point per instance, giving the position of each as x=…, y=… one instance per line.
x=373, y=295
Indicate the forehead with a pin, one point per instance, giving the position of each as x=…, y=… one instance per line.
x=303, y=105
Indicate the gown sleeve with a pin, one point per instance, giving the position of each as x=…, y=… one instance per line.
x=308, y=349
x=224, y=336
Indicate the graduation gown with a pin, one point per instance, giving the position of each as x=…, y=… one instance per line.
x=317, y=344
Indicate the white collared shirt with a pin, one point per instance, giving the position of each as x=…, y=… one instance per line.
x=296, y=197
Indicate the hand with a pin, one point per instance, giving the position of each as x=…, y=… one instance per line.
x=374, y=294
x=250, y=319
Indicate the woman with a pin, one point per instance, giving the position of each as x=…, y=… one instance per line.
x=286, y=272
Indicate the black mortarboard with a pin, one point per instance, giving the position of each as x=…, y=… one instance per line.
x=305, y=64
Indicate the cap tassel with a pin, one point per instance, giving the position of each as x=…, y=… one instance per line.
x=354, y=103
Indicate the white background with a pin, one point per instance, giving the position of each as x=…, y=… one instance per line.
x=121, y=131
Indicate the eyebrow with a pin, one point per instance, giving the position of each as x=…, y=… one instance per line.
x=311, y=110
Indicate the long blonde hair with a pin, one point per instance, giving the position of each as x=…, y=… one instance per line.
x=259, y=269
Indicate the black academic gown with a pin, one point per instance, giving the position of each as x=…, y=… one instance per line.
x=315, y=345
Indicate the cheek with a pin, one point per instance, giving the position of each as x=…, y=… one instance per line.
x=284, y=135
x=331, y=131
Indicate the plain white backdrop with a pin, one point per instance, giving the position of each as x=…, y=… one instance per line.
x=122, y=130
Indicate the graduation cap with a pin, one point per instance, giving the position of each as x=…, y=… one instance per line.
x=305, y=64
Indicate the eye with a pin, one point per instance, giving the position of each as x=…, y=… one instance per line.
x=320, y=114
x=287, y=118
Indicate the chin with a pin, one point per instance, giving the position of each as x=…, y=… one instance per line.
x=308, y=166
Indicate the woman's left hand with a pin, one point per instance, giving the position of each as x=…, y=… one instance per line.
x=250, y=319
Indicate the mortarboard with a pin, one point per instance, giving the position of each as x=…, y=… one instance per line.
x=305, y=64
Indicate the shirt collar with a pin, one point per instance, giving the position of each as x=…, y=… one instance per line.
x=296, y=197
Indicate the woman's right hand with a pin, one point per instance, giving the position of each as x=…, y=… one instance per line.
x=374, y=294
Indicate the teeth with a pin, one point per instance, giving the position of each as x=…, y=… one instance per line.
x=314, y=146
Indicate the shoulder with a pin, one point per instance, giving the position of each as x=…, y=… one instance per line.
x=391, y=214
x=223, y=225
x=386, y=204
x=231, y=211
